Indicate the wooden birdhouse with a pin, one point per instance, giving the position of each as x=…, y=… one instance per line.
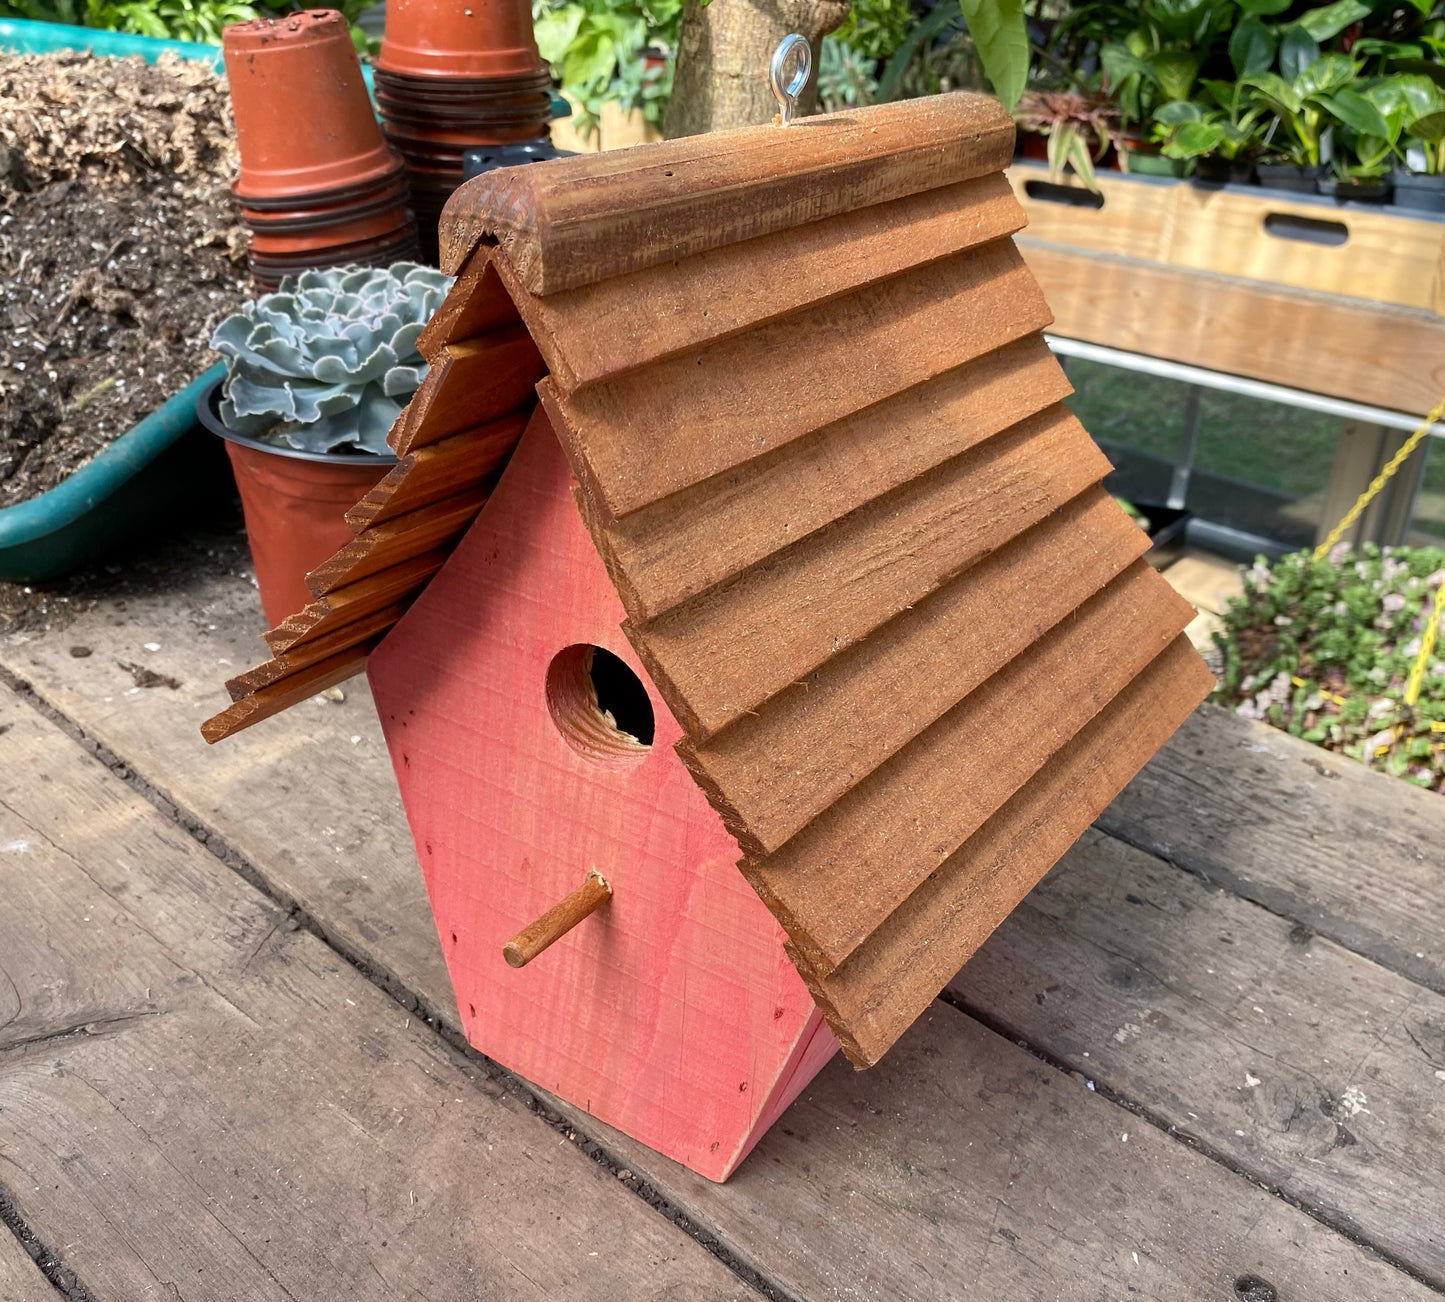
x=799, y=567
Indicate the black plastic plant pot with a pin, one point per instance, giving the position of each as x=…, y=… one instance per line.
x=486, y=158
x=1419, y=191
x=1374, y=190
x=1289, y=176
x=1209, y=170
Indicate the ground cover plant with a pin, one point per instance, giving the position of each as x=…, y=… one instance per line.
x=119, y=251
x=1324, y=648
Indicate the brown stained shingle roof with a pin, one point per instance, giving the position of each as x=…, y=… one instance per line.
x=862, y=546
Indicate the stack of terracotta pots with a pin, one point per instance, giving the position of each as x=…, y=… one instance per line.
x=454, y=75
x=319, y=186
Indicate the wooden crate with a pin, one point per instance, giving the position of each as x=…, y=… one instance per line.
x=1298, y=241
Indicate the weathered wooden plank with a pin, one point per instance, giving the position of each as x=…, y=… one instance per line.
x=438, y=471
x=890, y=979
x=470, y=383
x=398, y=539
x=889, y=1185
x=20, y=1278
x=839, y=879
x=722, y=405
x=670, y=551
x=1349, y=853
x=303, y=657
x=583, y=219
x=771, y=773
x=1313, y=1068
x=194, y=1091
x=721, y=655
x=598, y=330
x=266, y=702
x=353, y=601
x=1367, y=352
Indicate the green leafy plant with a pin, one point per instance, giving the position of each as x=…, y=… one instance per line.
x=596, y=50
x=1323, y=649
x=1000, y=35
x=846, y=76
x=325, y=364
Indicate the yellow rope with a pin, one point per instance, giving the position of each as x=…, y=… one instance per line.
x=1427, y=648
x=1437, y=609
x=1380, y=481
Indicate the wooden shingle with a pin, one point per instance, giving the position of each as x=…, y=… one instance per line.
x=862, y=547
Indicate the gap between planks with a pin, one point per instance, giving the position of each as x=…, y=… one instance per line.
x=556, y=1114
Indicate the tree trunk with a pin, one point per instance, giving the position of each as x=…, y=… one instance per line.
x=722, y=60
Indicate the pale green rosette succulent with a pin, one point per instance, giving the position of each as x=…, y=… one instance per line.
x=326, y=363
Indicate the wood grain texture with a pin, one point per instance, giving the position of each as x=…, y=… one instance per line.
x=477, y=303
x=1391, y=357
x=193, y=1089
x=770, y=774
x=578, y=220
x=401, y=538
x=662, y=555
x=956, y=1121
x=264, y=702
x=1285, y=1052
x=597, y=330
x=1352, y=854
x=889, y=981
x=440, y=470
x=674, y=1012
x=839, y=880
x=309, y=653
x=471, y=383
x=352, y=601
x=721, y=655
x=1383, y=253
x=724, y=404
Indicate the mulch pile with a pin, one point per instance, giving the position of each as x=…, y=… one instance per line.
x=119, y=250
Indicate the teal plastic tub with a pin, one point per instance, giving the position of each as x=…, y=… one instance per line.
x=163, y=472
x=20, y=36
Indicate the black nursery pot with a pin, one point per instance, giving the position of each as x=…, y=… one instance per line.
x=1419, y=191
x=1289, y=176
x=1209, y=170
x=1375, y=190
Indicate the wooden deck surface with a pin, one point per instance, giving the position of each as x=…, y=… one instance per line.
x=1205, y=1059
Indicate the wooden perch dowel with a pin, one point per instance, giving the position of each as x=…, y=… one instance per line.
x=557, y=921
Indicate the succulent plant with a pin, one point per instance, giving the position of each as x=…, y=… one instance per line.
x=326, y=363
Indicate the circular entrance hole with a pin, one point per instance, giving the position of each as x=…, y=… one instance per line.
x=599, y=705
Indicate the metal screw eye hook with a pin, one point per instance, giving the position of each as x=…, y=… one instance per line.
x=787, y=96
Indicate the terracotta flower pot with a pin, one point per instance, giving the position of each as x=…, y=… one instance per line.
x=295, y=505
x=466, y=38
x=304, y=122
x=325, y=236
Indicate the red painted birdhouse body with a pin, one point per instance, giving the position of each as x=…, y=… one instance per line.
x=743, y=553
x=673, y=1013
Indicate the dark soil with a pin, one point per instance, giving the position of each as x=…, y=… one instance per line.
x=119, y=251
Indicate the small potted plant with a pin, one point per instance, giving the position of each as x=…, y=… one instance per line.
x=1078, y=129
x=1420, y=184
x=316, y=374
